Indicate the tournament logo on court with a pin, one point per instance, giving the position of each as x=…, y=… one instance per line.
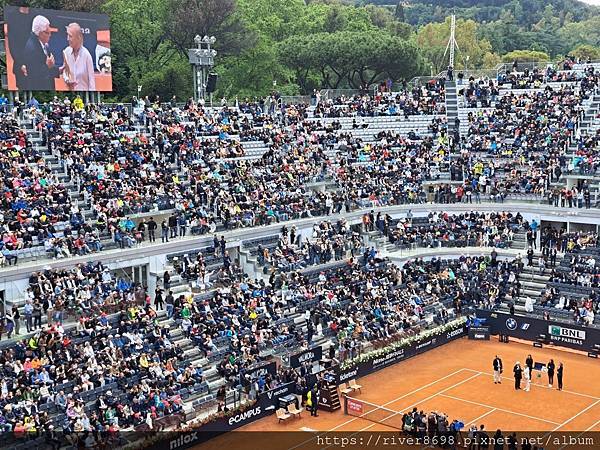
x=511, y=324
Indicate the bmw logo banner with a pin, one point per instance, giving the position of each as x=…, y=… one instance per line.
x=511, y=324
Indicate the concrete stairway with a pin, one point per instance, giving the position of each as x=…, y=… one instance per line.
x=519, y=241
x=451, y=104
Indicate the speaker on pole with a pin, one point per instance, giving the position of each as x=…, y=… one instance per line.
x=211, y=84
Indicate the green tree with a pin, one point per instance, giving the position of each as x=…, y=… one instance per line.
x=380, y=17
x=400, y=29
x=256, y=68
x=173, y=79
x=432, y=39
x=188, y=18
x=578, y=33
x=137, y=41
x=351, y=58
x=336, y=19
x=525, y=56
x=585, y=51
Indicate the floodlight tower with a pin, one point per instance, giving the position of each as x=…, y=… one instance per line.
x=202, y=59
x=452, y=44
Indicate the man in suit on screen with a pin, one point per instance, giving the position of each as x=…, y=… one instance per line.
x=39, y=66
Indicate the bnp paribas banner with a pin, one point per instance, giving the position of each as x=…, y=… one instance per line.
x=567, y=334
x=530, y=328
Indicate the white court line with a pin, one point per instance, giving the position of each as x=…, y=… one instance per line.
x=576, y=415
x=385, y=404
x=549, y=434
x=421, y=401
x=499, y=409
x=583, y=432
x=543, y=385
x=410, y=406
x=474, y=421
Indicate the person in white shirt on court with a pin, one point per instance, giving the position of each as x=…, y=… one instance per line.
x=78, y=69
x=527, y=375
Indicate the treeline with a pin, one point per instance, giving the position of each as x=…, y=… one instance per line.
x=294, y=46
x=551, y=26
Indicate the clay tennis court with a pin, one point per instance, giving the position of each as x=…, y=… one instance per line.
x=455, y=379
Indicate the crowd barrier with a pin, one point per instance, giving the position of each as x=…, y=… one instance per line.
x=265, y=405
x=268, y=402
x=380, y=359
x=533, y=329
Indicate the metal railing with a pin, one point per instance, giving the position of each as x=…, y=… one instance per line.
x=295, y=99
x=522, y=65
x=477, y=74
x=335, y=93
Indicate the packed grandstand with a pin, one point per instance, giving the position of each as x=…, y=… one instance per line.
x=155, y=254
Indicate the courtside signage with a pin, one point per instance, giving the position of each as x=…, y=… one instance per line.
x=348, y=375
x=388, y=359
x=395, y=356
x=311, y=354
x=455, y=333
x=265, y=405
x=531, y=328
x=355, y=406
x=183, y=440
x=277, y=393
x=479, y=333
x=242, y=417
x=564, y=334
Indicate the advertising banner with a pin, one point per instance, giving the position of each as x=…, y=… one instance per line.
x=530, y=329
x=309, y=355
x=260, y=370
x=395, y=356
x=49, y=50
x=268, y=401
x=355, y=407
x=265, y=405
x=479, y=333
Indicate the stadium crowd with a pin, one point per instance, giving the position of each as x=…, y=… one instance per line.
x=103, y=169
x=328, y=242
x=428, y=99
x=190, y=159
x=459, y=230
x=106, y=375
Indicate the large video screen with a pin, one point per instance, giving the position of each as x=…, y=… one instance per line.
x=48, y=50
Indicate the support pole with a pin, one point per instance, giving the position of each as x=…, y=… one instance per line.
x=452, y=41
x=452, y=44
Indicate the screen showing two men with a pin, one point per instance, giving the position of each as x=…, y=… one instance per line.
x=48, y=50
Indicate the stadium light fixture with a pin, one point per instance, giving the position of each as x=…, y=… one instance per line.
x=202, y=60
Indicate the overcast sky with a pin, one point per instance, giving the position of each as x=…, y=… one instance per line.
x=591, y=2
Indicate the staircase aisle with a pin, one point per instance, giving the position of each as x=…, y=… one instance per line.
x=451, y=105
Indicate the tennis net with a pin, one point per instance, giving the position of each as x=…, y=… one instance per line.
x=372, y=412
